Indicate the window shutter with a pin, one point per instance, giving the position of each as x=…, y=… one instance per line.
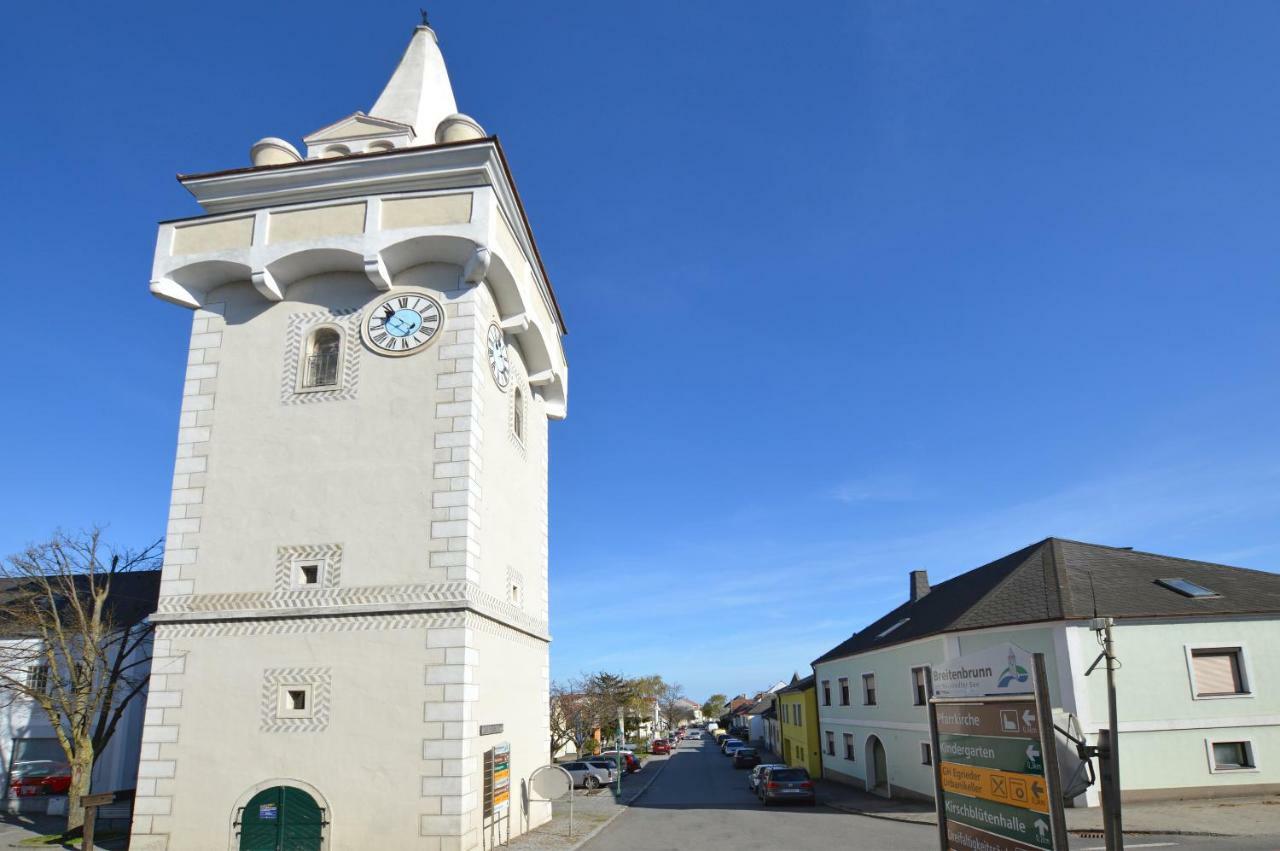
x=1217, y=672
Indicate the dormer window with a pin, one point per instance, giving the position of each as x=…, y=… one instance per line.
x=323, y=356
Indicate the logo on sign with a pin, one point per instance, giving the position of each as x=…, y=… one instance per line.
x=1013, y=673
x=267, y=812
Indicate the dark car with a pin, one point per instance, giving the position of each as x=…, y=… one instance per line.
x=660, y=746
x=786, y=784
x=746, y=758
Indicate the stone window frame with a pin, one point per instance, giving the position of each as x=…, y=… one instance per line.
x=301, y=327
x=288, y=559
x=277, y=681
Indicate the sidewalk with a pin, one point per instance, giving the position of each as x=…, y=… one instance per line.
x=1249, y=816
x=592, y=811
x=1252, y=816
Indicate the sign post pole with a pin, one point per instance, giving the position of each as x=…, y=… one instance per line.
x=938, y=803
x=1053, y=778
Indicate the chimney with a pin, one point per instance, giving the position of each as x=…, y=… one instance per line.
x=919, y=584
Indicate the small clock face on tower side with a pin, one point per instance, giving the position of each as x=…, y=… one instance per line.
x=499, y=361
x=402, y=324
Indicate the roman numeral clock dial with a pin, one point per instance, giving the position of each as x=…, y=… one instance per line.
x=402, y=324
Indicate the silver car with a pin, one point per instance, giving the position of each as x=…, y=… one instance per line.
x=753, y=779
x=587, y=775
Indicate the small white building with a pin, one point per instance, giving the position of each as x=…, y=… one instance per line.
x=1198, y=690
x=28, y=745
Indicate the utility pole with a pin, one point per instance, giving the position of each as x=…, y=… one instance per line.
x=1109, y=741
x=622, y=722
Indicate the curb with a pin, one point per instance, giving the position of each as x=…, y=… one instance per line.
x=622, y=808
x=1074, y=831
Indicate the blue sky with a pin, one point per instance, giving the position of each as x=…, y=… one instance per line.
x=852, y=289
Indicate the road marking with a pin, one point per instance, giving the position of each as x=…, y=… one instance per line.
x=1139, y=845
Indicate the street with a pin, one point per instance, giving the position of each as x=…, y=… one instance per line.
x=701, y=802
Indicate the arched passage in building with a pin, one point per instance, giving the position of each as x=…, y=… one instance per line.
x=877, y=767
x=281, y=816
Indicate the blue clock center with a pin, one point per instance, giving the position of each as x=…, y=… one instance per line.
x=403, y=323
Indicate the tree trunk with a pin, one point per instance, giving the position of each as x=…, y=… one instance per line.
x=81, y=779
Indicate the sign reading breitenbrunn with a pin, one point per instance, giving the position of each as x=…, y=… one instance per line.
x=991, y=776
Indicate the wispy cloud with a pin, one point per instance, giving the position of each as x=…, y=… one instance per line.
x=888, y=487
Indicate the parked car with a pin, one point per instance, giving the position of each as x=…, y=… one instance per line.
x=600, y=762
x=721, y=735
x=746, y=758
x=587, y=775
x=786, y=784
x=660, y=746
x=39, y=777
x=728, y=744
x=753, y=779
x=629, y=762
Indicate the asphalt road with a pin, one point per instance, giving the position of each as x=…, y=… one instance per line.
x=701, y=802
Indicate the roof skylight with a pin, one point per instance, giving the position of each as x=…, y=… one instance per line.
x=1187, y=588
x=892, y=628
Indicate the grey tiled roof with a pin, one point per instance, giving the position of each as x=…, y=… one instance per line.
x=797, y=685
x=1057, y=579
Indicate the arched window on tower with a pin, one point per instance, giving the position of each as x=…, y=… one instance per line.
x=517, y=420
x=324, y=351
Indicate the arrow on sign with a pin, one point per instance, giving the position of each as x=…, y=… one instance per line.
x=1027, y=718
x=1033, y=753
x=1041, y=828
x=1037, y=791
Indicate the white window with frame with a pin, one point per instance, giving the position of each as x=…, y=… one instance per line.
x=1230, y=756
x=831, y=743
x=926, y=753
x=1218, y=672
x=919, y=686
x=868, y=689
x=38, y=679
x=848, y=747
x=844, y=691
x=826, y=692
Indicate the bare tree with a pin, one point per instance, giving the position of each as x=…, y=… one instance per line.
x=79, y=644
x=672, y=705
x=575, y=714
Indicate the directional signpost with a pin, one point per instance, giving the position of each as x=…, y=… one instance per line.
x=996, y=773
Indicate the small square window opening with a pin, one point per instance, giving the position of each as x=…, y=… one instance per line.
x=294, y=701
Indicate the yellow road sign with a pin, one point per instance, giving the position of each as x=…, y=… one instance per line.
x=1026, y=791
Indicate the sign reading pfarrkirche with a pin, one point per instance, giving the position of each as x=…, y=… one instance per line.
x=989, y=720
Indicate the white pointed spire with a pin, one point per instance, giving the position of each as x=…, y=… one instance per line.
x=419, y=93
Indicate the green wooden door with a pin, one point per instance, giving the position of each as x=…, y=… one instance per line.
x=281, y=818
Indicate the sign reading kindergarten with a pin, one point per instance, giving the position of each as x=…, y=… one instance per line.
x=996, y=789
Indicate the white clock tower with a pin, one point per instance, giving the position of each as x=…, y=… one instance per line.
x=352, y=627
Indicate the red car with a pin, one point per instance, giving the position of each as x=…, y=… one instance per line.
x=660, y=746
x=40, y=778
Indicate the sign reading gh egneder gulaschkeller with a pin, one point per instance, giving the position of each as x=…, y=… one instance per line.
x=990, y=776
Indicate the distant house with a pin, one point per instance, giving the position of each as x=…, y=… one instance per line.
x=798, y=711
x=1199, y=690
x=28, y=746
x=691, y=708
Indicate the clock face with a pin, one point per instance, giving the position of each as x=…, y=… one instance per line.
x=402, y=324
x=499, y=362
